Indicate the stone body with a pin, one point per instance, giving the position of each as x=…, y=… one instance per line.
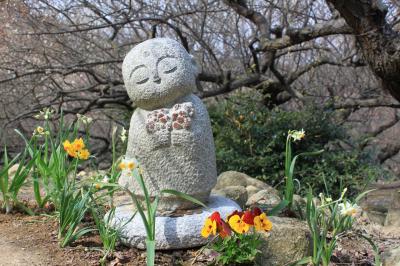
x=172, y=232
x=170, y=132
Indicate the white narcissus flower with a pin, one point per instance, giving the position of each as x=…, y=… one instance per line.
x=47, y=113
x=298, y=135
x=106, y=179
x=348, y=209
x=86, y=120
x=123, y=134
x=127, y=164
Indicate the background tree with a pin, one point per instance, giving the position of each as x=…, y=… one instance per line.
x=340, y=55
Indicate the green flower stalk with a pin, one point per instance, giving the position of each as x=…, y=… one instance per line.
x=290, y=162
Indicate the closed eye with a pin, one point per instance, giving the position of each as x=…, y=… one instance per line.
x=170, y=70
x=142, y=81
x=139, y=74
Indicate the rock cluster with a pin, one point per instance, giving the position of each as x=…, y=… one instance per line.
x=245, y=190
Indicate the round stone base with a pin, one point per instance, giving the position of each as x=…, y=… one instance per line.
x=171, y=232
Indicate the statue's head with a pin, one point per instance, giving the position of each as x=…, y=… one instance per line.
x=157, y=72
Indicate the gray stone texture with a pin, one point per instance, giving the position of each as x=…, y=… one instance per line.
x=245, y=190
x=287, y=242
x=170, y=132
x=264, y=197
x=391, y=257
x=382, y=205
x=171, y=232
x=236, y=193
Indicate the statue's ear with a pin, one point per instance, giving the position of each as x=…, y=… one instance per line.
x=196, y=70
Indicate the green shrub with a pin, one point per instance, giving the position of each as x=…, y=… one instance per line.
x=250, y=138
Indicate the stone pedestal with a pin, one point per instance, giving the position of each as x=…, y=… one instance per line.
x=172, y=232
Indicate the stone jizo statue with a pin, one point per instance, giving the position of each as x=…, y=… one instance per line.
x=170, y=137
x=170, y=132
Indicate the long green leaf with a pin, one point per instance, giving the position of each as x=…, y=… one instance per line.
x=28, y=143
x=363, y=194
x=375, y=248
x=313, y=153
x=141, y=212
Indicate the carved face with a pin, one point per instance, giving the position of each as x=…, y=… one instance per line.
x=157, y=72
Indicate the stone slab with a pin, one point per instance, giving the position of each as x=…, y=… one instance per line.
x=171, y=232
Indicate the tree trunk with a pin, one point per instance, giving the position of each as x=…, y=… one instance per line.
x=379, y=43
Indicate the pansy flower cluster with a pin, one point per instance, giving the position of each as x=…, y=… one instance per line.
x=76, y=149
x=240, y=222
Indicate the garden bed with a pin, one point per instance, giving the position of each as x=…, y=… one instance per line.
x=32, y=240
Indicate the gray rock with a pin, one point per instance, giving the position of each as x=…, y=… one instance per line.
x=170, y=132
x=377, y=217
x=251, y=190
x=299, y=201
x=391, y=257
x=287, y=242
x=260, y=184
x=393, y=217
x=236, y=193
x=234, y=178
x=231, y=178
x=264, y=197
x=171, y=232
x=383, y=198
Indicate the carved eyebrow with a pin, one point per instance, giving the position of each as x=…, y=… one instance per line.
x=163, y=57
x=135, y=68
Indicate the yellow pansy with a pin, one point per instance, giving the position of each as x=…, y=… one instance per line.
x=238, y=225
x=210, y=227
x=261, y=223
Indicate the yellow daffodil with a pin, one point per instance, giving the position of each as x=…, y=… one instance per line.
x=84, y=154
x=67, y=145
x=238, y=225
x=210, y=227
x=78, y=144
x=261, y=223
x=76, y=149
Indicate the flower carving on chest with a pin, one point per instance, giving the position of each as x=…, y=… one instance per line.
x=179, y=117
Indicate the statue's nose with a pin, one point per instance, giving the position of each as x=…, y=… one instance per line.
x=156, y=78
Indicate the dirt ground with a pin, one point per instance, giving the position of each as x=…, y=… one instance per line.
x=32, y=240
